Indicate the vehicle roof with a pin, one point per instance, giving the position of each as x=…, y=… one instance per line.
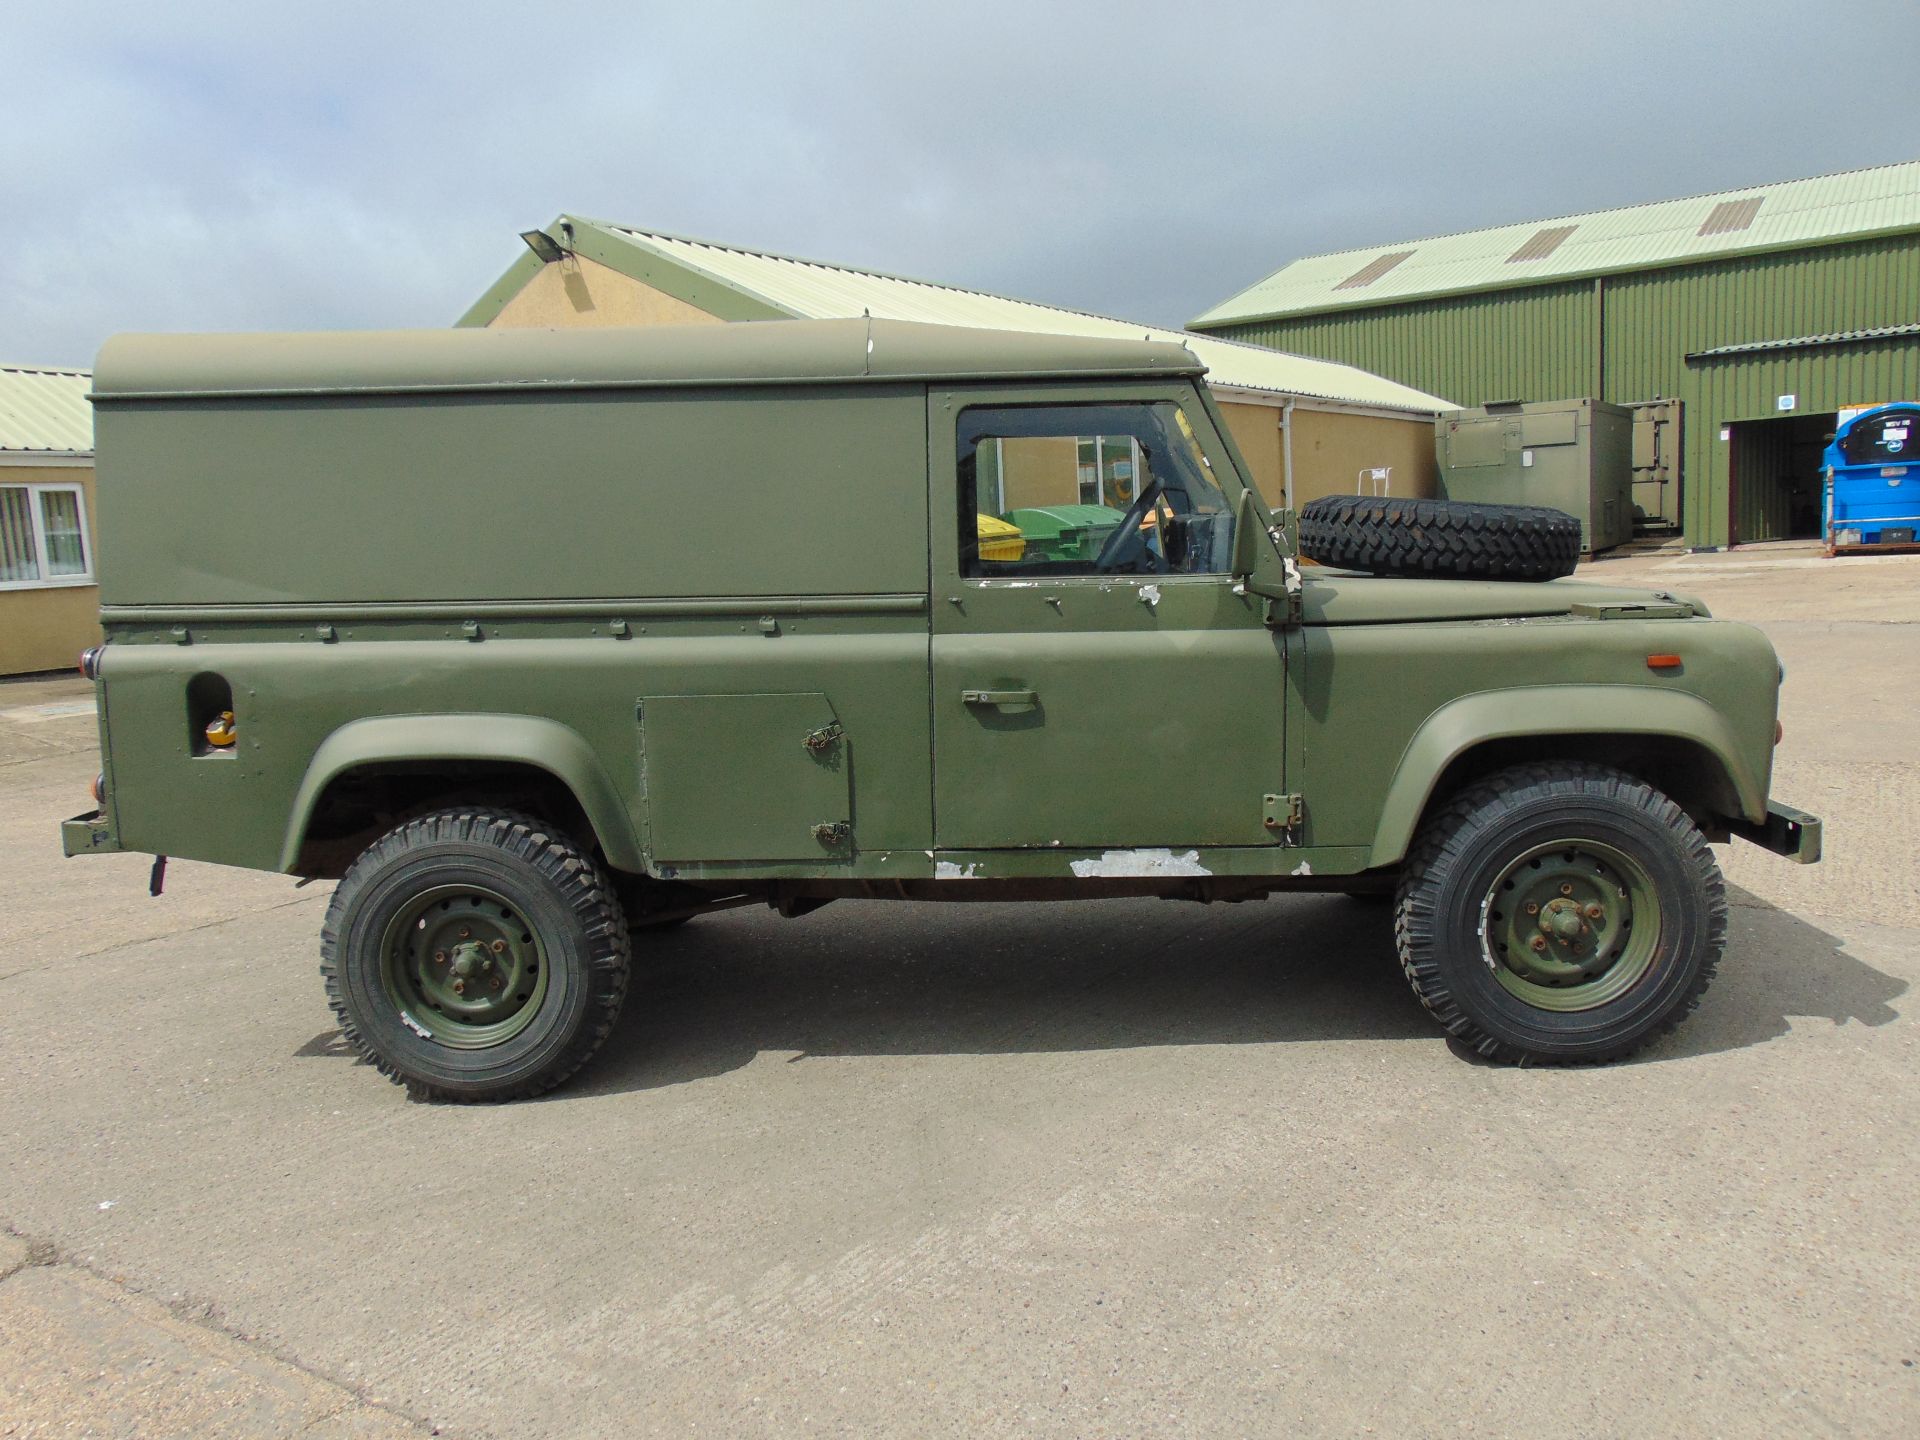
x=752, y=352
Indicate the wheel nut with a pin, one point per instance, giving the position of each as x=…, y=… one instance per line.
x=1565, y=889
x=459, y=987
x=1539, y=942
x=500, y=946
x=465, y=932
x=1532, y=908
x=1594, y=912
x=496, y=982
x=439, y=957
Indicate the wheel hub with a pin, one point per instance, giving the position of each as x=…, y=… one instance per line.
x=464, y=962
x=1571, y=925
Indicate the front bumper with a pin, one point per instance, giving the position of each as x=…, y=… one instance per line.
x=89, y=834
x=1786, y=831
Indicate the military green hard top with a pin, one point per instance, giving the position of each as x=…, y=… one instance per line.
x=753, y=352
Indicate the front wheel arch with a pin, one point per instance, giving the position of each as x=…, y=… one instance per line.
x=1672, y=740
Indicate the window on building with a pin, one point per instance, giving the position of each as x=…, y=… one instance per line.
x=43, y=536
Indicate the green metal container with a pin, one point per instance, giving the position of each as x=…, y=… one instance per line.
x=1065, y=532
x=1572, y=455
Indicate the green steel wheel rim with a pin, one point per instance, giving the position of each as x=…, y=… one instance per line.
x=464, y=965
x=1571, y=925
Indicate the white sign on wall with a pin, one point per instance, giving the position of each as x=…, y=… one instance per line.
x=1785, y=402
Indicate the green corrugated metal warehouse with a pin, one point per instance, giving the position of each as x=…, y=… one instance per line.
x=1764, y=312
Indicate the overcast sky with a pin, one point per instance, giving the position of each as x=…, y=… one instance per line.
x=262, y=166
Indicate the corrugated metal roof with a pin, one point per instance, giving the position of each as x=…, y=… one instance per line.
x=812, y=290
x=45, y=411
x=1850, y=205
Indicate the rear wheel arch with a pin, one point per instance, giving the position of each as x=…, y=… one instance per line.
x=370, y=774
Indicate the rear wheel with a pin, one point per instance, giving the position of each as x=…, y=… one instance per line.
x=1561, y=914
x=475, y=955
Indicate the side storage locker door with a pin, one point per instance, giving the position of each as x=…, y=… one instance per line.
x=745, y=777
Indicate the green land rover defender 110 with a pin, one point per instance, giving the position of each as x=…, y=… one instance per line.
x=541, y=641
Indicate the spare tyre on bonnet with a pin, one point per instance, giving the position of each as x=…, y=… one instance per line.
x=1440, y=537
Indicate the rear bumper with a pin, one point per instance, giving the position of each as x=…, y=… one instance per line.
x=89, y=834
x=1786, y=831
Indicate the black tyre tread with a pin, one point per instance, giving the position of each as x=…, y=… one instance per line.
x=1416, y=904
x=583, y=884
x=1440, y=538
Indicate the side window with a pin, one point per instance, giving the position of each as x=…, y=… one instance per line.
x=1087, y=490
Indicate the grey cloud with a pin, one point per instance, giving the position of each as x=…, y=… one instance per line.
x=240, y=166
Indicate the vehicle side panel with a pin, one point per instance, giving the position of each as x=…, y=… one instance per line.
x=292, y=691
x=1365, y=695
x=550, y=495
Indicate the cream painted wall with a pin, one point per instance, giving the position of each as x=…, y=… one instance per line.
x=1331, y=447
x=1041, y=472
x=579, y=291
x=46, y=629
x=1256, y=432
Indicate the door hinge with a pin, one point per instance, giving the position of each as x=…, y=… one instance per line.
x=826, y=736
x=1283, y=815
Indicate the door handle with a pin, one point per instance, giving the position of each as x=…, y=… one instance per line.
x=1001, y=699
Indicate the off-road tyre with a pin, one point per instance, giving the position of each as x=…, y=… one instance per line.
x=546, y=888
x=1440, y=538
x=1449, y=927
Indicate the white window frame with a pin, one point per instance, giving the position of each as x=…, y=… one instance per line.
x=36, y=510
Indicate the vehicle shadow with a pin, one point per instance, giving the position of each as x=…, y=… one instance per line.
x=1779, y=967
x=872, y=978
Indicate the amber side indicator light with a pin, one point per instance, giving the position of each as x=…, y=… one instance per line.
x=1663, y=662
x=90, y=662
x=99, y=788
x=1779, y=729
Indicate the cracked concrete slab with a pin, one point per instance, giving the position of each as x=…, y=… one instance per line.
x=85, y=1357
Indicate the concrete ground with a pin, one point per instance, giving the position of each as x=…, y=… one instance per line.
x=1123, y=1168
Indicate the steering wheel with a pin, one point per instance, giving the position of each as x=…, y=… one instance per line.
x=1127, y=532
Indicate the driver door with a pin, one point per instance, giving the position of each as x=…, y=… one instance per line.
x=1097, y=681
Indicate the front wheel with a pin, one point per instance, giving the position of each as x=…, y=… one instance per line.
x=1561, y=913
x=475, y=955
